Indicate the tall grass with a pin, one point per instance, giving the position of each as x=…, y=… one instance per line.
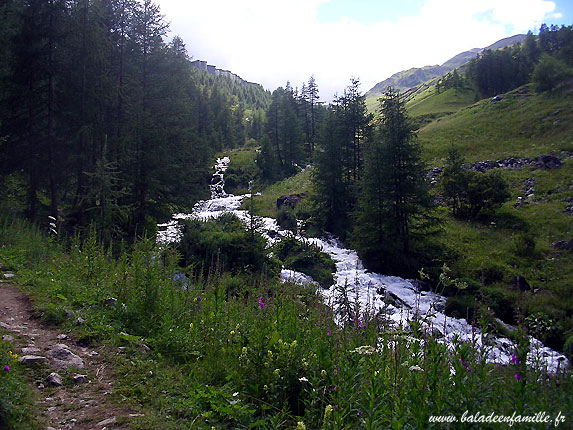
x=242, y=352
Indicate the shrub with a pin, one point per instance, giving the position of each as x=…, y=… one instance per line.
x=502, y=302
x=544, y=328
x=525, y=245
x=491, y=274
x=226, y=244
x=286, y=219
x=548, y=73
x=306, y=258
x=568, y=349
x=467, y=192
x=462, y=306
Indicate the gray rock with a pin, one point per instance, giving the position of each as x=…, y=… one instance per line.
x=78, y=378
x=107, y=422
x=31, y=350
x=64, y=358
x=547, y=161
x=8, y=275
x=290, y=200
x=8, y=338
x=563, y=244
x=54, y=379
x=32, y=359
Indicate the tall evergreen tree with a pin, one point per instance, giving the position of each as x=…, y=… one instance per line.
x=394, y=201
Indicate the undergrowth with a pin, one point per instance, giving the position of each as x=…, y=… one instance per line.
x=219, y=351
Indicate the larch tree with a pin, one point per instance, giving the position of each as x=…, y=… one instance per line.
x=394, y=204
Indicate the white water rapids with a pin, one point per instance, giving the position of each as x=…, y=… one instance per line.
x=365, y=285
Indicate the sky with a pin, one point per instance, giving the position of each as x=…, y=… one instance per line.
x=271, y=42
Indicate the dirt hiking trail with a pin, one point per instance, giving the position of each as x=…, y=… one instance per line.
x=73, y=384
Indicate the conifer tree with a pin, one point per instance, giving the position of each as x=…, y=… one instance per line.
x=394, y=202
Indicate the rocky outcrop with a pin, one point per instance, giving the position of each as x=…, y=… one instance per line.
x=290, y=200
x=213, y=70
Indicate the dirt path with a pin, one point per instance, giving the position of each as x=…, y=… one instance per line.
x=83, y=401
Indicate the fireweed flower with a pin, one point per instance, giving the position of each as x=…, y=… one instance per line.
x=6, y=368
x=514, y=359
x=262, y=304
x=517, y=376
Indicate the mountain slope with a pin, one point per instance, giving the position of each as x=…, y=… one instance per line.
x=407, y=79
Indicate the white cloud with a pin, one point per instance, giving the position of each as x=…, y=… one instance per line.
x=272, y=41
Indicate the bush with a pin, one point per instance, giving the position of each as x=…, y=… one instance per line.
x=525, y=245
x=226, y=244
x=286, y=219
x=548, y=73
x=568, y=349
x=308, y=259
x=467, y=192
x=544, y=328
x=502, y=302
x=491, y=274
x=462, y=306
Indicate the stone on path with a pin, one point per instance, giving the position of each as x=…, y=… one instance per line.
x=107, y=422
x=54, y=380
x=63, y=358
x=32, y=359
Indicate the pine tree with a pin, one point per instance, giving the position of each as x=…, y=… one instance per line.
x=394, y=202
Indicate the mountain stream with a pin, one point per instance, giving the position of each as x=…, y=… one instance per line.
x=399, y=299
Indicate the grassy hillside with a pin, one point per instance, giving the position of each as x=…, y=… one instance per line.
x=512, y=241
x=265, y=204
x=491, y=250
x=430, y=103
x=523, y=124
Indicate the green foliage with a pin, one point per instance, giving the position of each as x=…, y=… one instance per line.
x=242, y=171
x=467, y=192
x=525, y=245
x=340, y=158
x=503, y=302
x=122, y=124
x=283, y=143
x=549, y=73
x=306, y=258
x=394, y=204
x=545, y=328
x=226, y=244
x=16, y=399
x=462, y=306
x=264, y=356
x=286, y=219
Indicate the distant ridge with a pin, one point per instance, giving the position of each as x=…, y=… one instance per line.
x=407, y=79
x=213, y=70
